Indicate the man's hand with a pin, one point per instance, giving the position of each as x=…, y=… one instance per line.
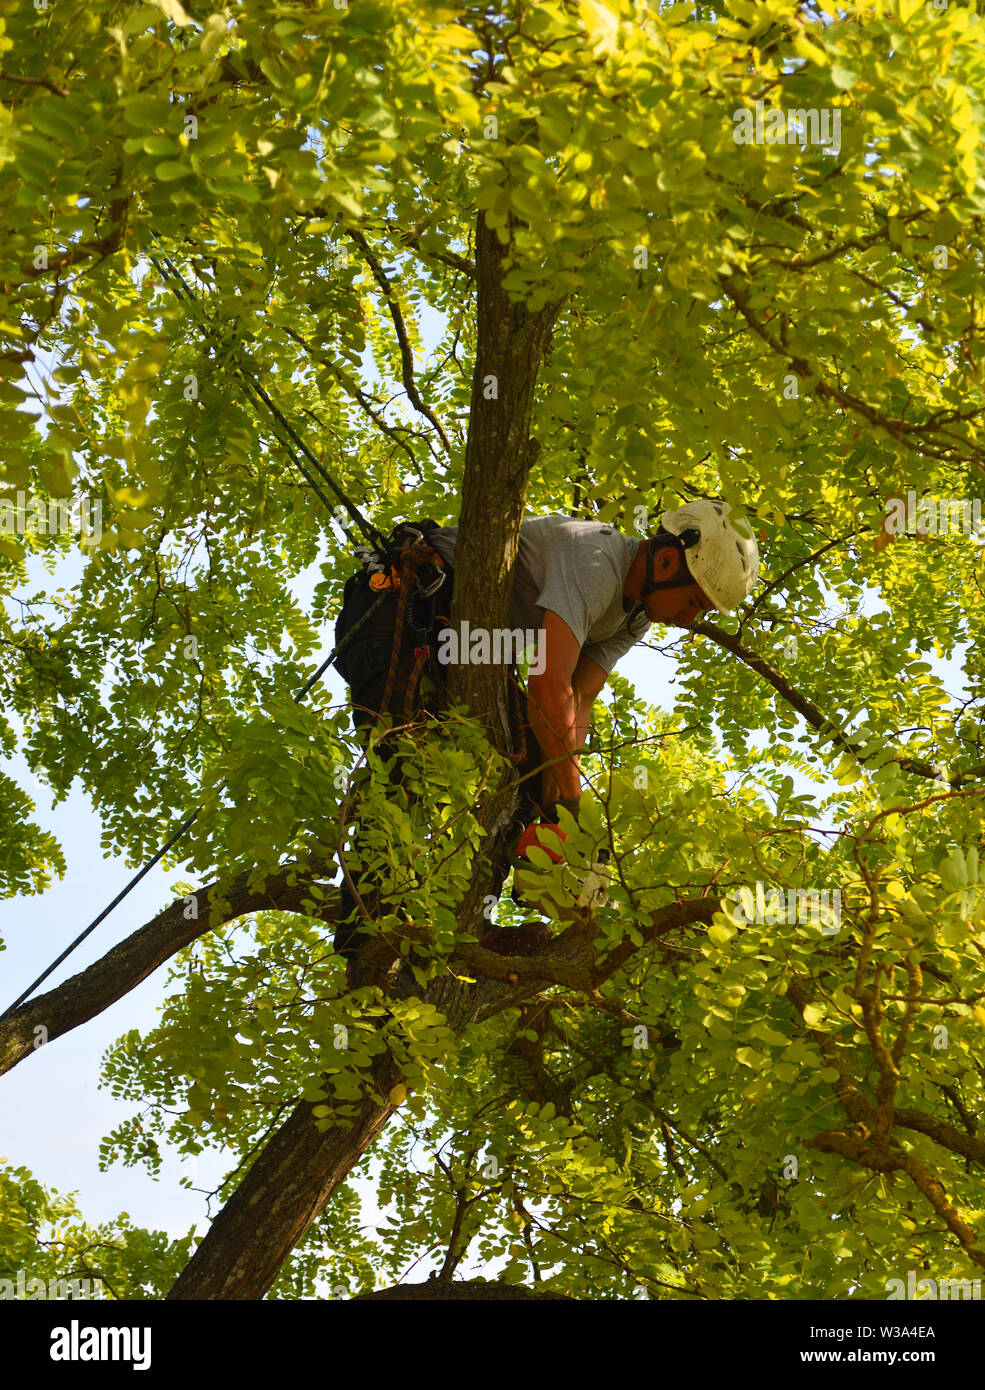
x=589, y=887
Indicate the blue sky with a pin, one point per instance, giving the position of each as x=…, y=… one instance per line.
x=55, y=1113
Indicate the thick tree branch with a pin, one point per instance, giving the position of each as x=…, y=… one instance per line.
x=854, y=1145
x=115, y=974
x=942, y=1133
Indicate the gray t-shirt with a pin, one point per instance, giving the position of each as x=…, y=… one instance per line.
x=578, y=570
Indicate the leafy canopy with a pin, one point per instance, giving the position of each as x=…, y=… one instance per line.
x=740, y=1108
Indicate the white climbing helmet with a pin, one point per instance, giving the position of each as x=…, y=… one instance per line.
x=723, y=562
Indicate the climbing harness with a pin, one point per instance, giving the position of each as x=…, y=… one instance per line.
x=385, y=669
x=421, y=583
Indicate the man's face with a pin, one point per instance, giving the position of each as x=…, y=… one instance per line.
x=674, y=607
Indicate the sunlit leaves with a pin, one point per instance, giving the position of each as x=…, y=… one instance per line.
x=784, y=323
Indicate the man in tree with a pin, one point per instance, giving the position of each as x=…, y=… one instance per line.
x=590, y=593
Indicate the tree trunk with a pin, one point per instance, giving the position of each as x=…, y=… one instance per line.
x=499, y=454
x=460, y=1290
x=300, y=1168
x=280, y=1196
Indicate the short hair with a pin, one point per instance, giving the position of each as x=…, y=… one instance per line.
x=661, y=539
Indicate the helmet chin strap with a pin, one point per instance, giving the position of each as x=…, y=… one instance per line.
x=684, y=541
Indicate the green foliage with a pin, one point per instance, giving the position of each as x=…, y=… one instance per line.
x=790, y=326
x=28, y=855
x=42, y=1237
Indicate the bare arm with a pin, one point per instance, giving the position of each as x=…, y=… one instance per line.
x=588, y=679
x=560, y=706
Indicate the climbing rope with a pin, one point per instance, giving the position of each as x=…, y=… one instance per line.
x=301, y=456
x=294, y=445
x=182, y=829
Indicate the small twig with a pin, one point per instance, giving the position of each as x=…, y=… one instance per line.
x=33, y=82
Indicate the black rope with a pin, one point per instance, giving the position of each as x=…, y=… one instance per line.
x=185, y=825
x=182, y=828
x=173, y=276
x=186, y=295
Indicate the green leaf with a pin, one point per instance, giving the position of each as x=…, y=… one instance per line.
x=170, y=169
x=749, y=1057
x=174, y=11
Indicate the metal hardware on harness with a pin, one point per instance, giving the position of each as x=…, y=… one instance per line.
x=369, y=557
x=432, y=588
x=413, y=538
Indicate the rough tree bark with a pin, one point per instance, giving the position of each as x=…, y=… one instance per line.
x=292, y=1178
x=41, y=1020
x=460, y=1290
x=499, y=454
